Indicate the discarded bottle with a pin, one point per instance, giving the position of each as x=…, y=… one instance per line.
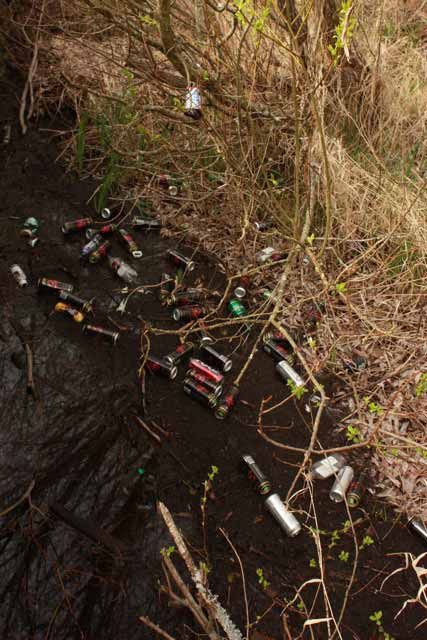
x=193, y=103
x=226, y=402
x=419, y=527
x=111, y=335
x=255, y=473
x=47, y=283
x=30, y=228
x=239, y=293
x=326, y=468
x=146, y=224
x=342, y=482
x=19, y=275
x=206, y=370
x=161, y=366
x=67, y=308
x=91, y=246
x=263, y=226
x=277, y=352
x=130, y=243
x=180, y=260
x=181, y=351
x=188, y=313
x=222, y=362
x=100, y=252
x=285, y=518
x=188, y=297
x=76, y=225
x=199, y=392
x=236, y=308
x=356, y=491
x=122, y=269
x=167, y=283
x=214, y=387
x=287, y=372
x=84, y=305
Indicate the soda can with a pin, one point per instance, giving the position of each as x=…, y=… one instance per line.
x=222, y=362
x=100, y=252
x=277, y=352
x=146, y=224
x=161, y=366
x=19, y=275
x=180, y=260
x=106, y=213
x=227, y=402
x=255, y=474
x=47, y=283
x=180, y=352
x=214, y=387
x=288, y=373
x=285, y=518
x=111, y=335
x=76, y=225
x=130, y=243
x=342, y=482
x=236, y=308
x=29, y=228
x=205, y=339
x=326, y=468
x=277, y=336
x=84, y=305
x=188, y=313
x=263, y=226
x=188, y=297
x=356, y=491
x=67, y=308
x=239, y=292
x=91, y=246
x=199, y=392
x=206, y=370
x=419, y=527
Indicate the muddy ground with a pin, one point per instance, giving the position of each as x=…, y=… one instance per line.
x=79, y=441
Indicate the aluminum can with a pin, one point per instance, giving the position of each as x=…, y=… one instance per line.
x=106, y=213
x=188, y=297
x=214, y=387
x=226, y=402
x=32, y=242
x=341, y=484
x=199, y=392
x=275, y=350
x=180, y=352
x=268, y=254
x=419, y=527
x=167, y=283
x=277, y=336
x=19, y=275
x=326, y=468
x=205, y=339
x=100, y=252
x=236, y=308
x=91, y=246
x=104, y=231
x=357, y=490
x=130, y=243
x=47, y=283
x=161, y=366
x=180, y=260
x=84, y=305
x=285, y=518
x=263, y=226
x=146, y=224
x=222, y=362
x=255, y=474
x=111, y=335
x=206, y=370
x=29, y=228
x=76, y=225
x=286, y=371
x=239, y=293
x=188, y=313
x=67, y=308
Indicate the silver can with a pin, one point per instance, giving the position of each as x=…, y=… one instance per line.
x=285, y=518
x=239, y=293
x=19, y=275
x=326, y=468
x=106, y=213
x=419, y=527
x=287, y=372
x=342, y=482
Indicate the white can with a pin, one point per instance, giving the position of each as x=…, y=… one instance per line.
x=19, y=275
x=193, y=99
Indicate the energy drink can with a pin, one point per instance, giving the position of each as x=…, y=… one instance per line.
x=205, y=339
x=47, y=283
x=255, y=474
x=276, y=336
x=227, y=402
x=236, y=308
x=199, y=392
x=130, y=243
x=214, y=387
x=356, y=491
x=84, y=305
x=76, y=225
x=107, y=229
x=419, y=527
x=67, y=308
x=180, y=352
x=161, y=366
x=19, y=275
x=146, y=224
x=326, y=468
x=288, y=373
x=188, y=297
x=91, y=246
x=341, y=484
x=111, y=335
x=106, y=213
x=100, y=252
x=180, y=260
x=276, y=351
x=239, y=292
x=285, y=518
x=222, y=362
x=188, y=313
x=206, y=370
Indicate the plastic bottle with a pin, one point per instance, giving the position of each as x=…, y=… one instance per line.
x=122, y=269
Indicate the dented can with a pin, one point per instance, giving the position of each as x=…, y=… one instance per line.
x=188, y=313
x=287, y=372
x=91, y=246
x=206, y=370
x=161, y=366
x=146, y=224
x=357, y=490
x=326, y=468
x=342, y=482
x=130, y=243
x=214, y=387
x=285, y=518
x=67, y=308
x=76, y=225
x=48, y=283
x=182, y=298
x=227, y=402
x=111, y=335
x=19, y=275
x=180, y=260
x=181, y=351
x=200, y=392
x=84, y=305
x=222, y=362
x=255, y=474
x=100, y=252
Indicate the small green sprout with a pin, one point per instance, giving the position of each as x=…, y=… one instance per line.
x=421, y=387
x=313, y=563
x=335, y=536
x=261, y=579
x=343, y=556
x=353, y=434
x=341, y=287
x=366, y=542
x=168, y=551
x=297, y=391
x=373, y=407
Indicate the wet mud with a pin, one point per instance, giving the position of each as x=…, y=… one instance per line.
x=78, y=441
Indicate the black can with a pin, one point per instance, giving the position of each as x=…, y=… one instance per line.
x=180, y=352
x=356, y=490
x=227, y=402
x=84, y=305
x=256, y=475
x=220, y=361
x=113, y=336
x=277, y=351
x=201, y=393
x=48, y=283
x=161, y=366
x=213, y=387
x=188, y=313
x=188, y=297
x=180, y=260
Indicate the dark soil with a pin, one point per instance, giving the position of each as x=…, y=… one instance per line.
x=79, y=441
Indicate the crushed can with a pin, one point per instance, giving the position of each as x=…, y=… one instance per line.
x=419, y=527
x=327, y=467
x=200, y=378
x=187, y=297
x=67, y=308
x=146, y=224
x=100, y=252
x=91, y=246
x=130, y=243
x=206, y=370
x=181, y=351
x=30, y=228
x=188, y=313
x=236, y=308
x=357, y=490
x=342, y=482
x=288, y=373
x=84, y=305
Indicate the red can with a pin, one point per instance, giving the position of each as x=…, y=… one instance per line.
x=107, y=228
x=206, y=370
x=130, y=243
x=188, y=313
x=47, y=283
x=76, y=225
x=180, y=352
x=227, y=402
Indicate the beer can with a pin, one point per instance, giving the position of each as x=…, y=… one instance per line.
x=188, y=297
x=222, y=362
x=236, y=308
x=181, y=351
x=326, y=467
x=285, y=518
x=67, y=308
x=180, y=260
x=206, y=370
x=205, y=339
x=91, y=246
x=100, y=252
x=19, y=275
x=255, y=474
x=76, y=225
x=342, y=482
x=111, y=335
x=188, y=313
x=130, y=243
x=239, y=293
x=276, y=336
x=146, y=224
x=199, y=392
x=277, y=351
x=106, y=213
x=227, y=401
x=48, y=283
x=263, y=226
x=200, y=378
x=288, y=373
x=84, y=305
x=357, y=490
x=419, y=527
x=161, y=366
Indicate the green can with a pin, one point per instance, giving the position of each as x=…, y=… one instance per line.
x=236, y=308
